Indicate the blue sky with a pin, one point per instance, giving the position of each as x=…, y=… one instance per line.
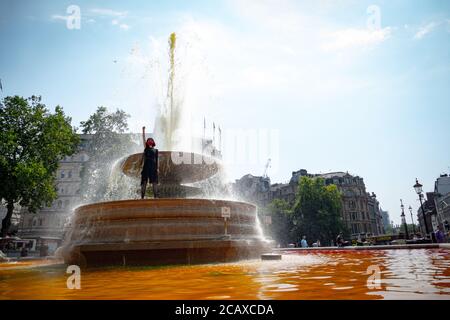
x=343, y=92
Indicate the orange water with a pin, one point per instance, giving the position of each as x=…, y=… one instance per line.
x=405, y=274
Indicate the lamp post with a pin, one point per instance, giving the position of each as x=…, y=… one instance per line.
x=412, y=220
x=418, y=188
x=404, y=219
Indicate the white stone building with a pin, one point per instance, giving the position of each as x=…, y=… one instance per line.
x=442, y=202
x=47, y=224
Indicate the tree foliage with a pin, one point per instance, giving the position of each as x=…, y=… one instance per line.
x=316, y=214
x=317, y=210
x=105, y=124
x=107, y=144
x=32, y=142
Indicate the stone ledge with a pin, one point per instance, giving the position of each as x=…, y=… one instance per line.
x=383, y=247
x=158, y=245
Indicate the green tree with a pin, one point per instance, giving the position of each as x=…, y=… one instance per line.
x=107, y=144
x=317, y=211
x=281, y=225
x=32, y=142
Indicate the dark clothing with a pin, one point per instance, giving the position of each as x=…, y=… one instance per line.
x=339, y=241
x=150, y=168
x=440, y=237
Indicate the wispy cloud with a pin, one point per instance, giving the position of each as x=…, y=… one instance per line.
x=116, y=16
x=352, y=38
x=108, y=12
x=59, y=17
x=290, y=19
x=424, y=30
x=124, y=26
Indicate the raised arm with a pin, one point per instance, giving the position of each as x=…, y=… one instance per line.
x=143, y=135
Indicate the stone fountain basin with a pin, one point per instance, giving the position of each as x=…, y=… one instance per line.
x=175, y=167
x=163, y=231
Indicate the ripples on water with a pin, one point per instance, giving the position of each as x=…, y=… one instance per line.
x=405, y=274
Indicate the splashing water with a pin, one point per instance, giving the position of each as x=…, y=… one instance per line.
x=169, y=130
x=120, y=186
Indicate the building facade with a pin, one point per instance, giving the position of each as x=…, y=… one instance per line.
x=47, y=225
x=376, y=219
x=442, y=201
x=360, y=210
x=355, y=202
x=252, y=188
x=429, y=207
x=443, y=210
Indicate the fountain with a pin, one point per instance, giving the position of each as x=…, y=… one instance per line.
x=173, y=229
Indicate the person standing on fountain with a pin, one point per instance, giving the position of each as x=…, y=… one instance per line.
x=150, y=169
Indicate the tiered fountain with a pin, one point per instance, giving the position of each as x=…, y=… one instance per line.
x=172, y=229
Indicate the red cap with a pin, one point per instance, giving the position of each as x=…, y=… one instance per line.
x=150, y=142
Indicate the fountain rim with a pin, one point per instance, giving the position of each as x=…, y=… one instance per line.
x=131, y=166
x=161, y=200
x=170, y=152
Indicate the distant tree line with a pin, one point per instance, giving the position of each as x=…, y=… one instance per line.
x=316, y=213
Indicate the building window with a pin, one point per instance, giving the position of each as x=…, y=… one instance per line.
x=62, y=174
x=40, y=221
x=70, y=174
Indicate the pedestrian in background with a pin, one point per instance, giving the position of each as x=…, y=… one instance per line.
x=303, y=243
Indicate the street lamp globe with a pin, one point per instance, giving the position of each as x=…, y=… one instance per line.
x=418, y=187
